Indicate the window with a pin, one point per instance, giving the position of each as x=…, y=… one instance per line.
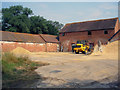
x=105, y=32
x=63, y=34
x=89, y=33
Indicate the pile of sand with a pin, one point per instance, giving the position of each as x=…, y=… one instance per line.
x=19, y=51
x=111, y=49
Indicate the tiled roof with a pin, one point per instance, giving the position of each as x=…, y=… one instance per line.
x=90, y=25
x=24, y=37
x=21, y=37
x=49, y=38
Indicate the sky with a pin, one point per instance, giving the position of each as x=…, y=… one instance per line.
x=69, y=12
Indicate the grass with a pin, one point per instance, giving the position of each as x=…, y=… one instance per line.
x=17, y=68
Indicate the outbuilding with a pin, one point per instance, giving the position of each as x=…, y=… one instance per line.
x=91, y=31
x=30, y=42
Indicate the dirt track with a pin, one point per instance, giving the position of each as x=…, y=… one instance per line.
x=76, y=70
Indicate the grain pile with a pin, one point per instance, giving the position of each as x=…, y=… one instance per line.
x=110, y=49
x=19, y=51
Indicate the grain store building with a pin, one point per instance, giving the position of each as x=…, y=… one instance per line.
x=31, y=42
x=91, y=31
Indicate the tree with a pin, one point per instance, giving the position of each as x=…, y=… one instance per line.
x=16, y=19
x=19, y=19
x=54, y=27
x=38, y=25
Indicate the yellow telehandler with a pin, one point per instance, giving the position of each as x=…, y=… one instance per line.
x=84, y=48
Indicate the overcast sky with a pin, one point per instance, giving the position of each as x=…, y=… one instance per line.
x=68, y=12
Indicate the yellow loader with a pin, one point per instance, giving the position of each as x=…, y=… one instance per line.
x=82, y=48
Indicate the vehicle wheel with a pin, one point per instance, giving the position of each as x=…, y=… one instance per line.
x=89, y=49
x=76, y=52
x=86, y=51
x=72, y=51
x=83, y=52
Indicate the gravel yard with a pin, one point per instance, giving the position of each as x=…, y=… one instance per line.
x=71, y=70
x=67, y=69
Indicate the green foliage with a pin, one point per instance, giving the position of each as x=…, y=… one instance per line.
x=17, y=68
x=19, y=19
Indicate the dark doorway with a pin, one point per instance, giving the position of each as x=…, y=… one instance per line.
x=91, y=45
x=73, y=46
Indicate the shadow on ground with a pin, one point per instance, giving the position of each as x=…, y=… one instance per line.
x=24, y=83
x=75, y=83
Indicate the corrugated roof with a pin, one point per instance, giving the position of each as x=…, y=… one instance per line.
x=21, y=37
x=90, y=25
x=49, y=38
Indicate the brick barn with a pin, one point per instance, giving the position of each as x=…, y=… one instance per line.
x=92, y=31
x=31, y=42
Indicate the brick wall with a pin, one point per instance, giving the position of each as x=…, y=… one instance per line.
x=73, y=37
x=51, y=47
x=117, y=26
x=32, y=47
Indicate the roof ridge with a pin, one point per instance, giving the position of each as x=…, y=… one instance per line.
x=19, y=33
x=92, y=20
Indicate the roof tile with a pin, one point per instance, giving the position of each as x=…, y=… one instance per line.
x=21, y=37
x=49, y=38
x=90, y=25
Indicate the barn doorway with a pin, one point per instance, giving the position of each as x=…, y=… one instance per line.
x=73, y=46
x=91, y=45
